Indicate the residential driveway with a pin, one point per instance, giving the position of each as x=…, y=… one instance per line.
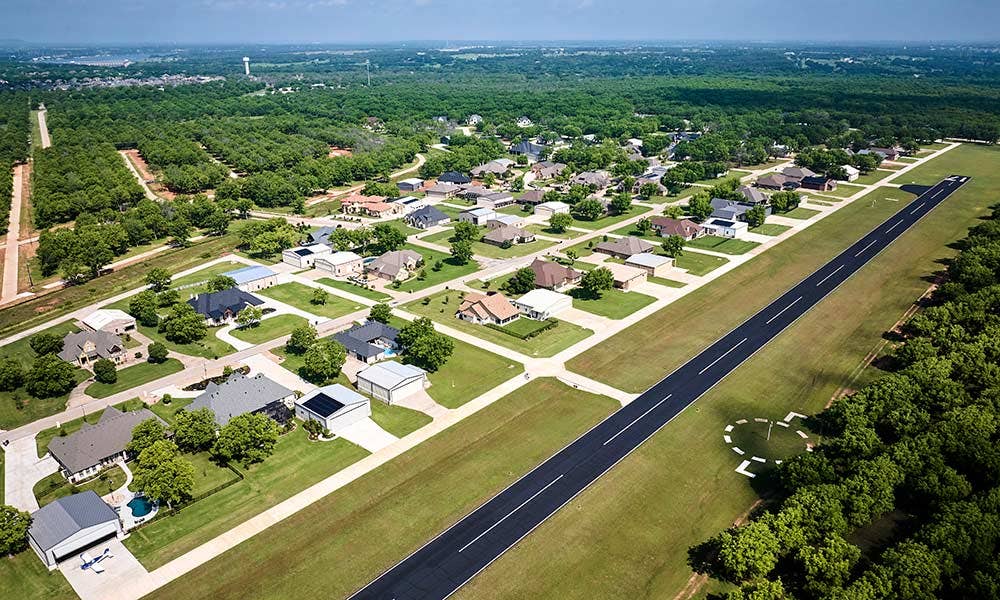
x=367, y=434
x=22, y=470
x=118, y=572
x=423, y=402
x=260, y=363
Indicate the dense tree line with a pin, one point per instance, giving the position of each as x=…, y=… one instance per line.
x=15, y=129
x=914, y=454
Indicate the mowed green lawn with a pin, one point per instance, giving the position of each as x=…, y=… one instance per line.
x=207, y=347
x=442, y=306
x=205, y=274
x=449, y=269
x=134, y=375
x=606, y=544
x=269, y=329
x=296, y=464
x=800, y=213
x=167, y=412
x=300, y=296
x=613, y=304
x=698, y=263
x=872, y=177
x=357, y=290
x=770, y=229
x=401, y=504
x=721, y=244
x=398, y=420
x=608, y=221
x=55, y=485
x=24, y=576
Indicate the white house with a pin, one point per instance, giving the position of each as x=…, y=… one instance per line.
x=547, y=209
x=252, y=279
x=725, y=228
x=542, y=304
x=391, y=381
x=852, y=172
x=304, y=257
x=477, y=216
x=109, y=320
x=69, y=525
x=341, y=264
x=653, y=264
x=334, y=406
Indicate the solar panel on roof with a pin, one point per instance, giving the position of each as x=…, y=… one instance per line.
x=321, y=404
x=302, y=252
x=722, y=223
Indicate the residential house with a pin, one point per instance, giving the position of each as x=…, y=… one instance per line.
x=474, y=120
x=532, y=197
x=409, y=203
x=491, y=307
x=547, y=209
x=242, y=394
x=371, y=206
x=727, y=228
x=84, y=348
x=524, y=122
x=654, y=265
x=729, y=210
x=477, y=216
x=220, y=308
x=473, y=191
x=369, y=342
x=797, y=173
x=626, y=278
x=752, y=196
x=885, y=153
x=502, y=219
x=334, y=407
x=253, y=279
x=495, y=200
x=508, y=235
x=819, y=182
x=454, y=177
x=341, y=264
x=69, y=525
x=397, y=265
x=412, y=184
x=554, y=276
x=95, y=447
x=109, y=320
x=304, y=257
x=547, y=169
x=391, y=381
x=531, y=150
x=320, y=236
x=598, y=179
x=685, y=228
x=426, y=217
x=498, y=167
x=624, y=247
x=442, y=190
x=776, y=181
x=852, y=173
x=541, y=304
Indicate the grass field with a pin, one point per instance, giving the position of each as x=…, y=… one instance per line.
x=134, y=375
x=770, y=229
x=357, y=290
x=55, y=485
x=491, y=251
x=207, y=347
x=800, y=213
x=168, y=411
x=721, y=244
x=24, y=576
x=401, y=504
x=268, y=329
x=398, y=420
x=442, y=306
x=872, y=177
x=844, y=190
x=296, y=464
x=613, y=304
x=666, y=282
x=449, y=270
x=207, y=474
x=611, y=220
x=205, y=274
x=596, y=547
x=698, y=263
x=543, y=229
x=299, y=296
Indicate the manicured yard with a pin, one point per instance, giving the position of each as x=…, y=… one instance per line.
x=721, y=244
x=697, y=263
x=293, y=362
x=133, y=376
x=401, y=504
x=401, y=225
x=300, y=296
x=491, y=251
x=596, y=544
x=296, y=464
x=55, y=485
x=872, y=177
x=543, y=229
x=168, y=411
x=207, y=347
x=24, y=576
x=443, y=237
x=205, y=274
x=441, y=307
x=207, y=474
x=268, y=329
x=398, y=420
x=449, y=269
x=43, y=437
x=770, y=229
x=844, y=190
x=610, y=220
x=357, y=290
x=666, y=282
x=800, y=213
x=613, y=304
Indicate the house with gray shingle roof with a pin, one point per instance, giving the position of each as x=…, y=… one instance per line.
x=93, y=448
x=84, y=348
x=624, y=247
x=68, y=525
x=369, y=342
x=240, y=395
x=426, y=217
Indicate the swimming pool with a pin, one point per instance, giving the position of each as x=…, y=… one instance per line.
x=140, y=506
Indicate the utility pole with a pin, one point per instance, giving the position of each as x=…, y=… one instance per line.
x=770, y=424
x=368, y=70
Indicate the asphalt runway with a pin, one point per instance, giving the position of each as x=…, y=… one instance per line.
x=444, y=564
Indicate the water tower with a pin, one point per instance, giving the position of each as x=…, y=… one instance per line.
x=246, y=65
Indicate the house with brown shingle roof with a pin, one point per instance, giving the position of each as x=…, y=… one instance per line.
x=686, y=228
x=508, y=234
x=491, y=307
x=624, y=247
x=554, y=276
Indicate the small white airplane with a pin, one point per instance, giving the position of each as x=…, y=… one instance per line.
x=92, y=563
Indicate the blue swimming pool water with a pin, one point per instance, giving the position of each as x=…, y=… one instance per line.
x=389, y=353
x=140, y=507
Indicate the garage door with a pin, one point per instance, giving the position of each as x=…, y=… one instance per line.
x=73, y=551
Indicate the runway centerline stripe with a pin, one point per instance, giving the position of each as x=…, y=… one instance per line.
x=608, y=441
x=789, y=306
x=918, y=208
x=724, y=355
x=897, y=224
x=873, y=242
x=822, y=281
x=505, y=517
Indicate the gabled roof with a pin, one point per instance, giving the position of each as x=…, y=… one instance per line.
x=391, y=374
x=63, y=518
x=453, y=177
x=772, y=180
x=247, y=274
x=682, y=227
x=329, y=400
x=101, y=318
x=541, y=300
x=479, y=211
x=752, y=195
x=627, y=245
x=488, y=306
x=532, y=196
x=552, y=274
x=106, y=344
x=623, y=273
x=92, y=443
x=216, y=304
x=527, y=147
x=321, y=235
x=507, y=233
x=392, y=263
x=648, y=259
x=239, y=395
x=816, y=180
x=443, y=188
x=358, y=339
x=340, y=258
x=797, y=172
x=427, y=215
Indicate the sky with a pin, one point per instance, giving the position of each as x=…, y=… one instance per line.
x=368, y=21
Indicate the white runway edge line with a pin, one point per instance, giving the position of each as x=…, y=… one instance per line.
x=822, y=281
x=505, y=517
x=782, y=311
x=636, y=420
x=726, y=353
x=917, y=208
x=860, y=252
